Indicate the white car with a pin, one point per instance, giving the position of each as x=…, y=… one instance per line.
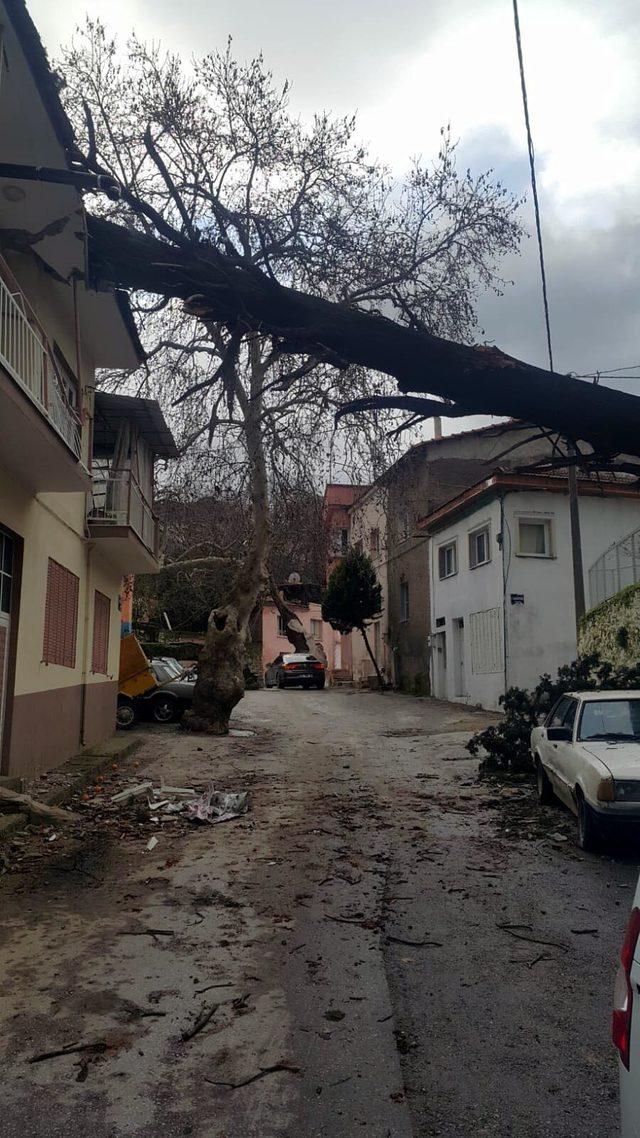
x=587, y=753
x=626, y=1024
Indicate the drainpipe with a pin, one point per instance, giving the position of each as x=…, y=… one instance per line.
x=85, y=645
x=505, y=640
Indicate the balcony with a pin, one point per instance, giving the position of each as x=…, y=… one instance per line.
x=122, y=521
x=40, y=433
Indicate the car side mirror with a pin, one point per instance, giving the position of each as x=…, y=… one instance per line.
x=559, y=734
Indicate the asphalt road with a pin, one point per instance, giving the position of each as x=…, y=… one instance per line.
x=385, y=945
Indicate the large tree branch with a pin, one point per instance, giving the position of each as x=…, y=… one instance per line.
x=482, y=379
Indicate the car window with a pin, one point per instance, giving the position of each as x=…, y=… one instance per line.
x=569, y=717
x=615, y=719
x=556, y=717
x=161, y=672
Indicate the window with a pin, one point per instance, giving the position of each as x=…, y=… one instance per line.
x=101, y=620
x=282, y=626
x=358, y=546
x=6, y=572
x=570, y=714
x=614, y=719
x=479, y=548
x=60, y=616
x=404, y=526
x=487, y=643
x=534, y=537
x=374, y=542
x=344, y=540
x=556, y=716
x=404, y=600
x=316, y=629
x=448, y=560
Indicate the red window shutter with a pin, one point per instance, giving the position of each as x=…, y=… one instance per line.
x=101, y=621
x=60, y=616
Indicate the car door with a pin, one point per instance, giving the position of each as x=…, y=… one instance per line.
x=548, y=747
x=566, y=754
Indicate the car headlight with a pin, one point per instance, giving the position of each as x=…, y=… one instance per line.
x=627, y=790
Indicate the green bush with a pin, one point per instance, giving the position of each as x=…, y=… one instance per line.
x=507, y=743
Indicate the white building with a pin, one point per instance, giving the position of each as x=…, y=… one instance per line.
x=502, y=600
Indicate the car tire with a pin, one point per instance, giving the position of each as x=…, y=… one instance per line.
x=588, y=835
x=320, y=684
x=545, y=790
x=305, y=687
x=280, y=683
x=126, y=714
x=164, y=709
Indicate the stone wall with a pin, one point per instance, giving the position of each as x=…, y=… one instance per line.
x=612, y=629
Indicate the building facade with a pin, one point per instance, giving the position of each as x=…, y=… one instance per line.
x=368, y=533
x=76, y=469
x=501, y=579
x=305, y=601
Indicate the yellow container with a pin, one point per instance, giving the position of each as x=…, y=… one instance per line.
x=136, y=676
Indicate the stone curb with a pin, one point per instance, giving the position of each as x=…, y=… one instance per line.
x=82, y=768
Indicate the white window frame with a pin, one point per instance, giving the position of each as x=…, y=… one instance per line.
x=532, y=520
x=282, y=628
x=485, y=529
x=446, y=545
x=316, y=635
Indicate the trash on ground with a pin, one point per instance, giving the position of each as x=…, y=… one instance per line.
x=151, y=844
x=217, y=806
x=240, y=733
x=135, y=791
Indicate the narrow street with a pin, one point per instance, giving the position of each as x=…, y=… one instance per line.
x=378, y=927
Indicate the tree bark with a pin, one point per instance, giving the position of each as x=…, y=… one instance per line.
x=301, y=641
x=483, y=380
x=220, y=684
x=373, y=659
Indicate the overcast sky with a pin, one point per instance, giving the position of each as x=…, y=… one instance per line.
x=409, y=66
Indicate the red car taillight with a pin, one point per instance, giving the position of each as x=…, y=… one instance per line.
x=623, y=992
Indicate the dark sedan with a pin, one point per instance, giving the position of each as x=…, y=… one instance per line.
x=295, y=669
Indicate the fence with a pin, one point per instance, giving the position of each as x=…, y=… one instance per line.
x=618, y=567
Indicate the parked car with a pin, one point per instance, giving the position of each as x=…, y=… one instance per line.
x=295, y=669
x=587, y=753
x=626, y=1024
x=164, y=703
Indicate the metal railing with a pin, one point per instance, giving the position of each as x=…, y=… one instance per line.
x=25, y=355
x=618, y=567
x=117, y=500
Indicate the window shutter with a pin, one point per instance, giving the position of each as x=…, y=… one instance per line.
x=101, y=622
x=60, y=616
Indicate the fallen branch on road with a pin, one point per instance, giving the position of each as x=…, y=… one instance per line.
x=25, y=804
x=202, y=1019
x=517, y=932
x=415, y=943
x=259, y=1075
x=97, y=1048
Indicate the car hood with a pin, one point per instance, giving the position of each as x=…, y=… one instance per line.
x=622, y=759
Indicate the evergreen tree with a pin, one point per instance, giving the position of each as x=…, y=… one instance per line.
x=354, y=598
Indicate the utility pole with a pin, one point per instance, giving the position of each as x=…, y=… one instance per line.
x=576, y=546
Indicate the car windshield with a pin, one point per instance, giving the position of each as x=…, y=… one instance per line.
x=173, y=665
x=614, y=719
x=161, y=671
x=298, y=658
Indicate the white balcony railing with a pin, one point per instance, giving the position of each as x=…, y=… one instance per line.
x=117, y=500
x=25, y=356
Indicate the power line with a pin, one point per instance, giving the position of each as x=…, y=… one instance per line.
x=534, y=184
x=574, y=509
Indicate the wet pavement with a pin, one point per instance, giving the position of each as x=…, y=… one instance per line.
x=382, y=945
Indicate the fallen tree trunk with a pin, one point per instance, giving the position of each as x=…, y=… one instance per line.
x=482, y=380
x=13, y=802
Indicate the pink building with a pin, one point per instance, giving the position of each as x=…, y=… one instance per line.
x=304, y=600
